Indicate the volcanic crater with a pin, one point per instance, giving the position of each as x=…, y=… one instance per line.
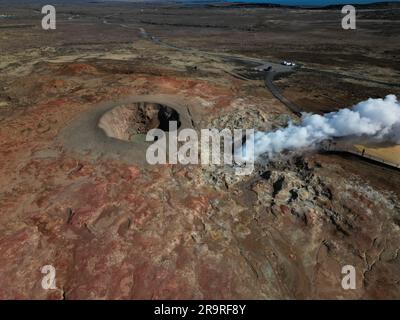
x=128, y=120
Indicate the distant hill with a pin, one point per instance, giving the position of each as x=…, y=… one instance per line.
x=245, y=5
x=374, y=5
x=219, y=4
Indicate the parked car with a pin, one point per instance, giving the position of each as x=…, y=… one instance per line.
x=288, y=63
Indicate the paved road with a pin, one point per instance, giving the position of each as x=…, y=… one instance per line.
x=269, y=78
x=275, y=70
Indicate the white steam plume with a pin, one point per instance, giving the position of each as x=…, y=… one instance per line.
x=377, y=119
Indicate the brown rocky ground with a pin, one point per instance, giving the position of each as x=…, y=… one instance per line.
x=122, y=230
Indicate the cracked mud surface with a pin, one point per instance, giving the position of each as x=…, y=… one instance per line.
x=116, y=228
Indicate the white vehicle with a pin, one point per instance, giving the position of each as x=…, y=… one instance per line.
x=288, y=63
